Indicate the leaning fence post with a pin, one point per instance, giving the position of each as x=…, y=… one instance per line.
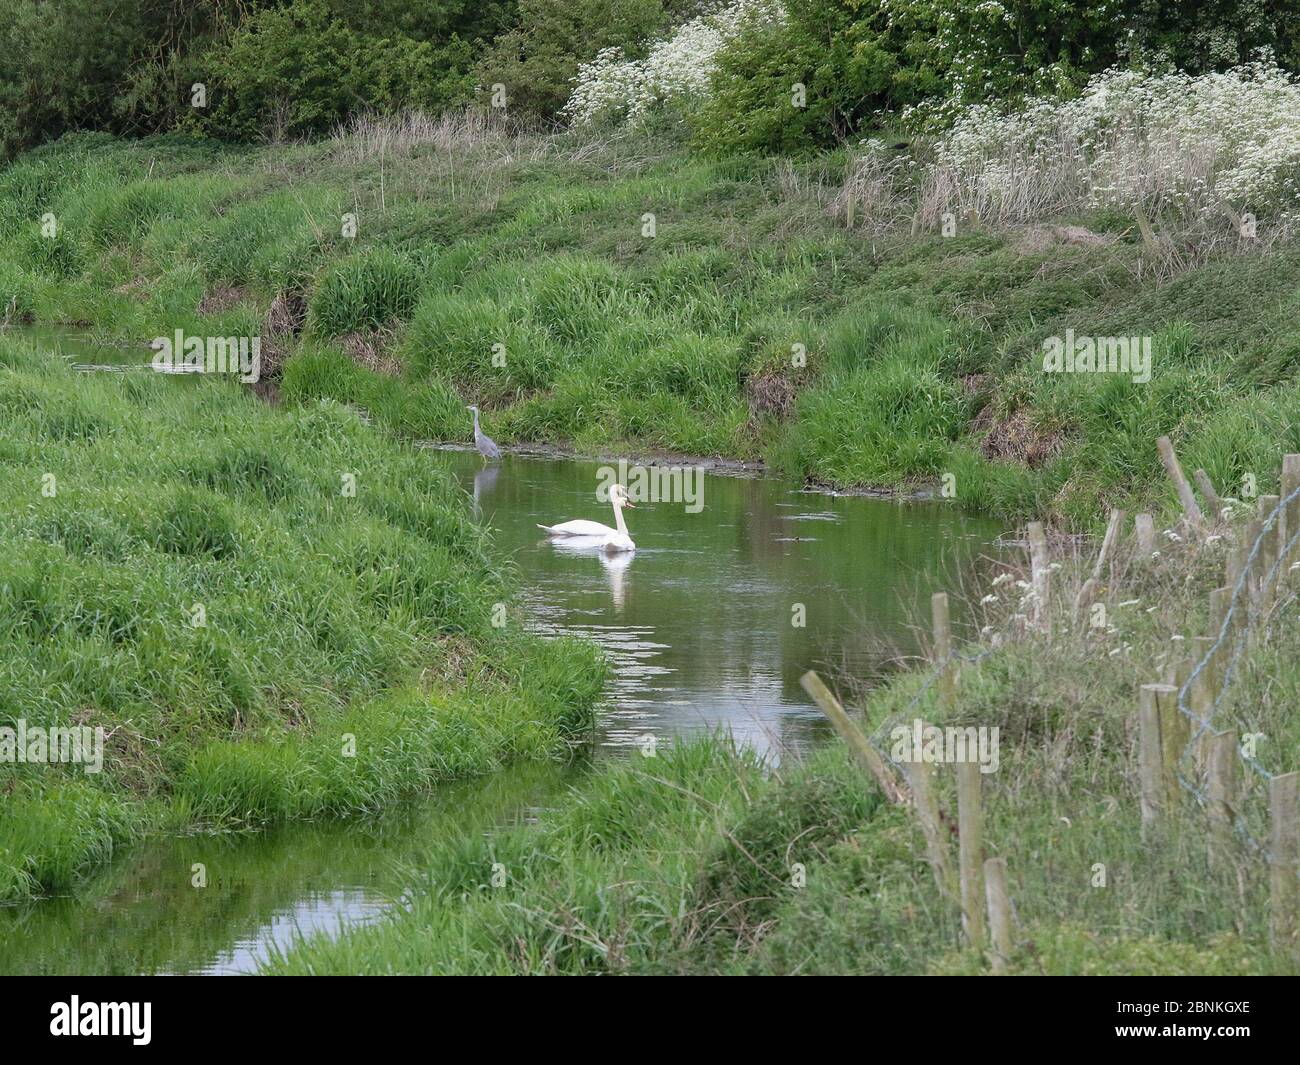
x=1089, y=590
x=852, y=735
x=1145, y=529
x=1185, y=496
x=1150, y=774
x=1221, y=788
x=1283, y=792
x=1040, y=576
x=970, y=845
x=943, y=650
x=1212, y=500
x=995, y=888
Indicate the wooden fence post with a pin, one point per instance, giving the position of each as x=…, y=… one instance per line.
x=1268, y=552
x=1236, y=563
x=1201, y=695
x=970, y=846
x=1175, y=731
x=1221, y=788
x=1177, y=672
x=1251, y=531
x=995, y=888
x=1290, y=484
x=1150, y=763
x=1185, y=495
x=943, y=650
x=1212, y=501
x=1040, y=577
x=852, y=735
x=1220, y=605
x=920, y=776
x=1283, y=792
x=1145, y=530
x=1089, y=590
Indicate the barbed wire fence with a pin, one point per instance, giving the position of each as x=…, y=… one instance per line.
x=1231, y=641
x=1242, y=614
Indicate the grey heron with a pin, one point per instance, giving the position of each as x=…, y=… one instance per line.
x=487, y=447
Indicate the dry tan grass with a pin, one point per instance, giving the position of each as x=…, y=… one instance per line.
x=369, y=135
x=1022, y=192
x=221, y=298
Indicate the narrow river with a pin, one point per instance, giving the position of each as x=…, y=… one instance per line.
x=707, y=625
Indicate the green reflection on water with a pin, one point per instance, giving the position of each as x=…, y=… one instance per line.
x=143, y=913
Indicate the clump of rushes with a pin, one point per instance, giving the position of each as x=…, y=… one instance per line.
x=364, y=290
x=193, y=573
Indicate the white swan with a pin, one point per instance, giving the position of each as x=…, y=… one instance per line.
x=610, y=539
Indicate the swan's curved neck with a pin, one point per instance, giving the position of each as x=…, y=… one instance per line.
x=618, y=518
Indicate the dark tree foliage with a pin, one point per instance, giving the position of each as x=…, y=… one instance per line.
x=297, y=67
x=861, y=61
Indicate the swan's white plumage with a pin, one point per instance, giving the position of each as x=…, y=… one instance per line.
x=611, y=539
x=579, y=528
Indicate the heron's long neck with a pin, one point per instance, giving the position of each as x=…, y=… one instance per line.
x=618, y=519
x=476, y=423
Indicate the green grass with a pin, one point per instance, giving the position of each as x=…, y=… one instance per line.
x=366, y=290
x=331, y=617
x=520, y=279
x=134, y=507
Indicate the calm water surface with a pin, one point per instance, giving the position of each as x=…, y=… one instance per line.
x=699, y=624
x=712, y=620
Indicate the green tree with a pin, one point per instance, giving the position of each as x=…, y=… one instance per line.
x=300, y=69
x=538, y=59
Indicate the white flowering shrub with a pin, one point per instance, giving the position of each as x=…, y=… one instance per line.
x=615, y=88
x=1170, y=144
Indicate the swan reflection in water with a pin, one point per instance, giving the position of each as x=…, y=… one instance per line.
x=595, y=546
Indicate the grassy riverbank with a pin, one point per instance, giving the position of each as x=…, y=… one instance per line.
x=697, y=861
x=190, y=571
x=519, y=272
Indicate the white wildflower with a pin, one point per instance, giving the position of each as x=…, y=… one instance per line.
x=612, y=86
x=1194, y=144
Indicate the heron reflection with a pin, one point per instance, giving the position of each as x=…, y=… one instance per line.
x=484, y=481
